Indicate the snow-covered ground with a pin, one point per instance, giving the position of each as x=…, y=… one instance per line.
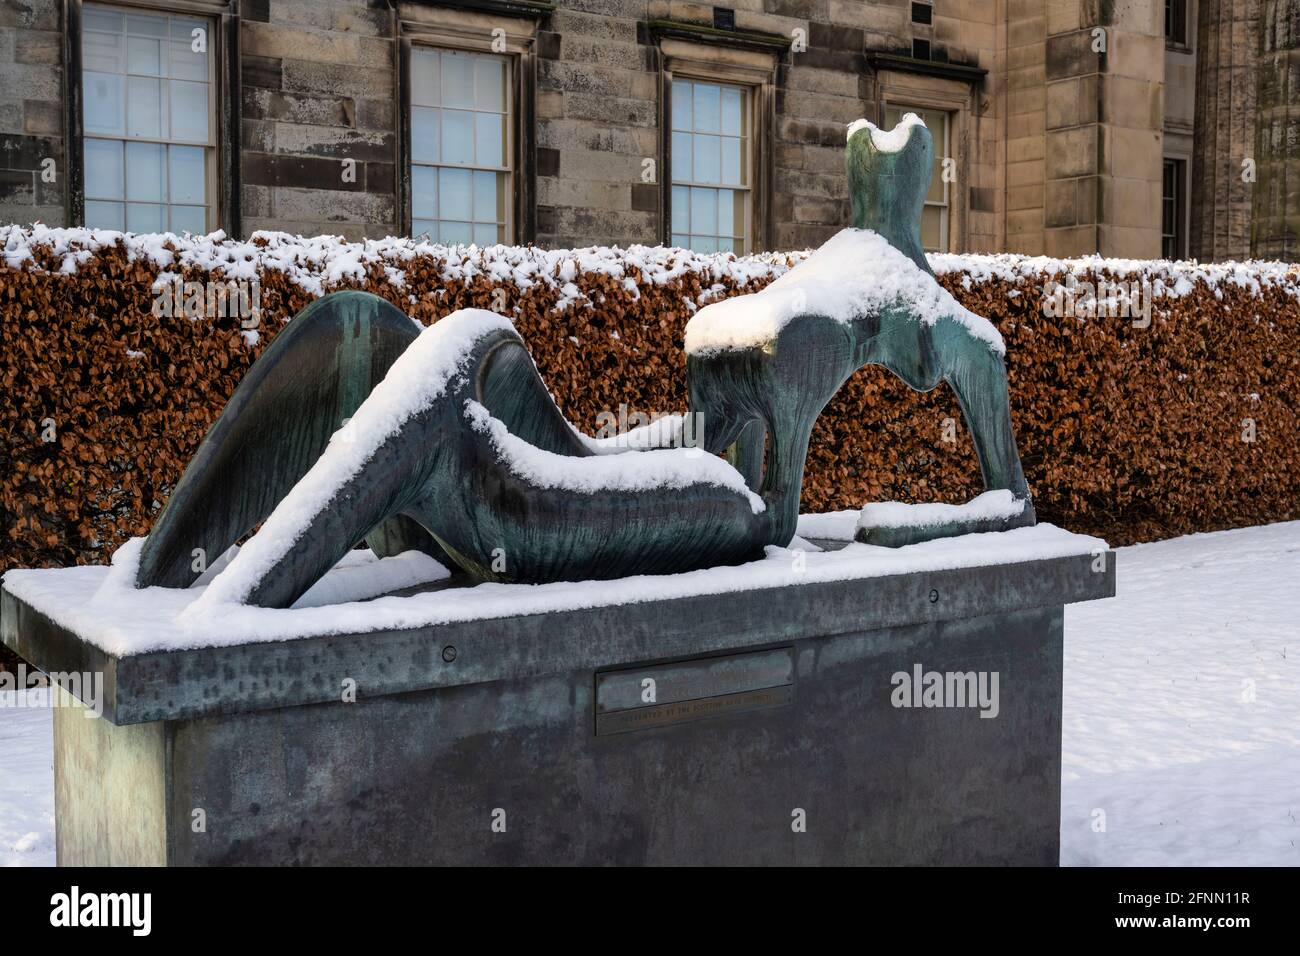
x=1182, y=714
x=26, y=781
x=1182, y=706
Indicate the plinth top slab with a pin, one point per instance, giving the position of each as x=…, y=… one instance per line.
x=251, y=658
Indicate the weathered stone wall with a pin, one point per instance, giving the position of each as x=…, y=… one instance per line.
x=1027, y=120
x=1105, y=82
x=1057, y=149
x=1227, y=41
x=31, y=112
x=1275, y=210
x=598, y=111
x=318, y=87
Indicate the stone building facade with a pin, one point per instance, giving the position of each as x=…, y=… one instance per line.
x=1061, y=126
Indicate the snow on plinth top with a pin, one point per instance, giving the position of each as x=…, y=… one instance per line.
x=888, y=140
x=855, y=273
x=102, y=607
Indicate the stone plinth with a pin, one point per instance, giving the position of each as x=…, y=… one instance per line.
x=759, y=726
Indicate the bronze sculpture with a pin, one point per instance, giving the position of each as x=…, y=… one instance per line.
x=458, y=449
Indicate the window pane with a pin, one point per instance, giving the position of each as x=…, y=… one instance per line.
x=424, y=228
x=936, y=121
x=733, y=221
x=938, y=126
x=704, y=211
x=145, y=25
x=708, y=167
x=102, y=52
x=183, y=29
x=726, y=212
x=424, y=195
x=681, y=208
x=681, y=104
x=704, y=243
x=490, y=84
x=681, y=241
x=457, y=136
x=485, y=234
x=424, y=135
x=97, y=18
x=189, y=111
x=726, y=245
x=455, y=232
x=144, y=107
x=144, y=56
x=103, y=103
x=454, y=194
x=186, y=174
x=503, y=190
x=186, y=64
x=103, y=171
x=731, y=169
x=732, y=98
x=188, y=219
x=485, y=197
x=682, y=156
x=936, y=191
x=424, y=78
x=489, y=144
x=103, y=215
x=144, y=173
x=457, y=80
x=145, y=217
x=931, y=228
x=707, y=107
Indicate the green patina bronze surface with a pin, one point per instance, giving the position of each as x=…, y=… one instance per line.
x=440, y=486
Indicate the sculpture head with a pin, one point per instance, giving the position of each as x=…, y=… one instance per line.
x=889, y=174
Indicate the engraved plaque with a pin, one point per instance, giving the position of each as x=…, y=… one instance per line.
x=639, y=698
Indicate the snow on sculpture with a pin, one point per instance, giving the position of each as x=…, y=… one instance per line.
x=354, y=425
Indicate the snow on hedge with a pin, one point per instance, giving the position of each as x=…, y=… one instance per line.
x=318, y=263
x=1168, y=277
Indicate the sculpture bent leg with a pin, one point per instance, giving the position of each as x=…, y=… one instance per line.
x=978, y=377
x=312, y=377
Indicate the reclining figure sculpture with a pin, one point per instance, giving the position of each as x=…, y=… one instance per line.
x=356, y=424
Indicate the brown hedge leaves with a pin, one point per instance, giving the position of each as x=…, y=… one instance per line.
x=1132, y=434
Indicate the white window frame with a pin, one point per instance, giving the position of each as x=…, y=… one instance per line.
x=211, y=146
x=506, y=225
x=748, y=146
